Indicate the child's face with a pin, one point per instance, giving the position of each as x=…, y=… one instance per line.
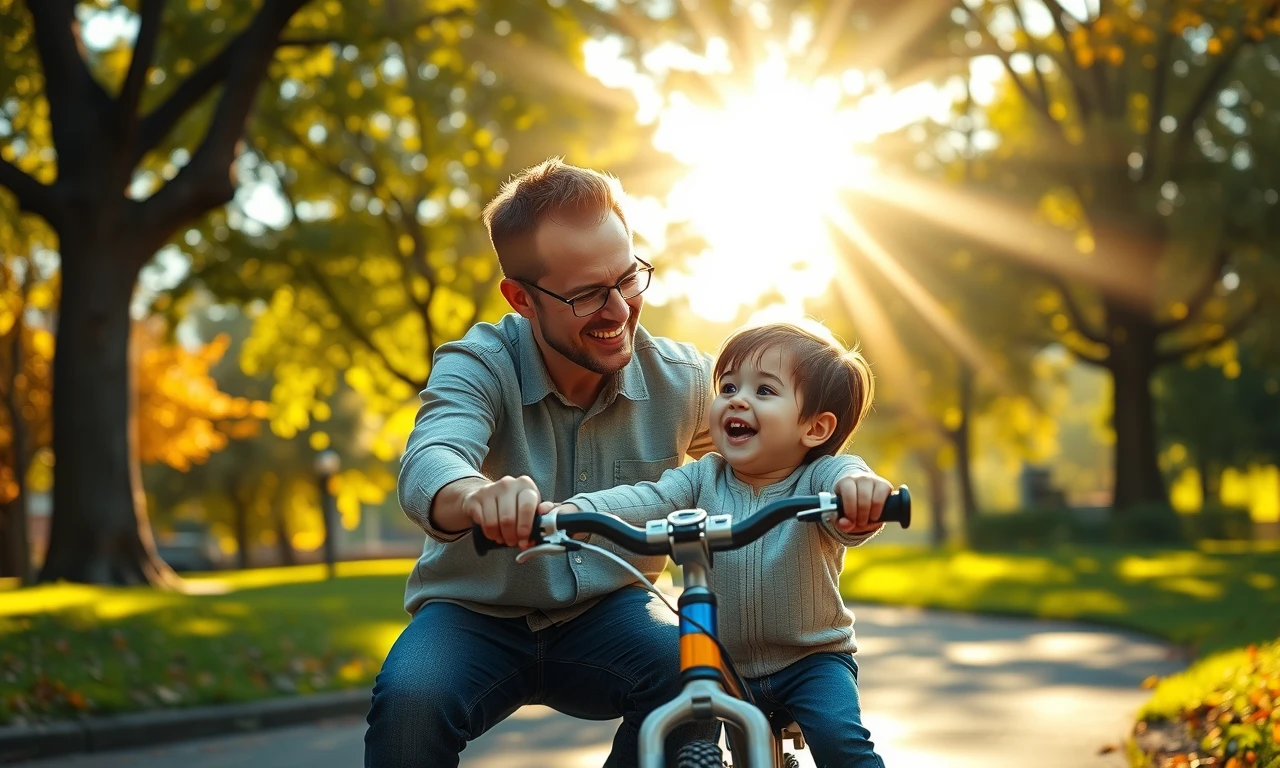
x=755, y=418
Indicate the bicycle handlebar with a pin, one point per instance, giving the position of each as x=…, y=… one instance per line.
x=897, y=509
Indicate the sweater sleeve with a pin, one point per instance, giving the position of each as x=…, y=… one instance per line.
x=637, y=504
x=450, y=438
x=826, y=472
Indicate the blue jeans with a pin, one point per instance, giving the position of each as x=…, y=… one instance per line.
x=453, y=674
x=820, y=692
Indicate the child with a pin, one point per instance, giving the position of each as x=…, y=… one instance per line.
x=787, y=402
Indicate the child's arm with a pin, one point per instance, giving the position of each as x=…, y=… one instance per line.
x=838, y=474
x=640, y=503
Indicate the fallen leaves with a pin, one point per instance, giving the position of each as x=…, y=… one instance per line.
x=1231, y=718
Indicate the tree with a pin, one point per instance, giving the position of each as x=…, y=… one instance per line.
x=26, y=351
x=264, y=490
x=118, y=149
x=378, y=159
x=1218, y=410
x=1116, y=119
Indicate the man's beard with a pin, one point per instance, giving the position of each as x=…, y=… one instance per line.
x=573, y=350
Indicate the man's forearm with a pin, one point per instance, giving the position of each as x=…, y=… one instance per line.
x=446, y=508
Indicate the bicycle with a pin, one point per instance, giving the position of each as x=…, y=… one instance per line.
x=711, y=686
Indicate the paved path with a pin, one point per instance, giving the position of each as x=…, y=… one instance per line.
x=938, y=689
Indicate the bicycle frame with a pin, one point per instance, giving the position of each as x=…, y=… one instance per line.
x=710, y=691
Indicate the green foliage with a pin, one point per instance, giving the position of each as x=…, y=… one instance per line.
x=1147, y=524
x=1207, y=599
x=1225, y=707
x=1037, y=529
x=1219, y=410
x=1218, y=522
x=1141, y=526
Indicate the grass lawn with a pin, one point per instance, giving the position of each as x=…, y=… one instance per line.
x=1206, y=600
x=70, y=649
x=67, y=649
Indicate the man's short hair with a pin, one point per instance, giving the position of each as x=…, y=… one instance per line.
x=827, y=376
x=554, y=190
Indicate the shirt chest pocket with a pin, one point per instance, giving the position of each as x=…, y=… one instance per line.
x=630, y=472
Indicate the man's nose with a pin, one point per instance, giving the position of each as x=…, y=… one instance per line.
x=615, y=306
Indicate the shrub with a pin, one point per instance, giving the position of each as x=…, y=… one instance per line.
x=1224, y=710
x=1147, y=524
x=1218, y=522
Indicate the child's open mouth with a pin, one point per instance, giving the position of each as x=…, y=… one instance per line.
x=738, y=431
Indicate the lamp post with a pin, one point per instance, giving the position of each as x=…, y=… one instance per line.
x=327, y=464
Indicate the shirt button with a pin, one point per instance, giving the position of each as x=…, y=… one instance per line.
x=582, y=477
x=577, y=558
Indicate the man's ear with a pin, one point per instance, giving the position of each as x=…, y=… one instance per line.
x=517, y=296
x=819, y=430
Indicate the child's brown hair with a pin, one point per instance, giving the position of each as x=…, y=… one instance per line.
x=827, y=376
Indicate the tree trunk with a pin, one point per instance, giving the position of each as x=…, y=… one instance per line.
x=99, y=533
x=1132, y=363
x=15, y=544
x=283, y=546
x=15, y=554
x=937, y=498
x=962, y=437
x=240, y=508
x=1208, y=483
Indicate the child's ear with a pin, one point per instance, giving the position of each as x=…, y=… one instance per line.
x=820, y=429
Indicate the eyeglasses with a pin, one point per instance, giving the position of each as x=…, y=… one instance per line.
x=594, y=299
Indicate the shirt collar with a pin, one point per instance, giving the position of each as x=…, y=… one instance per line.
x=536, y=383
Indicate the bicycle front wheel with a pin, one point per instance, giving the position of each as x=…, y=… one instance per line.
x=700, y=754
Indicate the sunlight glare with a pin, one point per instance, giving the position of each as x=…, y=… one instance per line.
x=765, y=170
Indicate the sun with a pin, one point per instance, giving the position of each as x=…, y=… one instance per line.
x=766, y=173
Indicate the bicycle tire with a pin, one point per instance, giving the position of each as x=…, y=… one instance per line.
x=700, y=754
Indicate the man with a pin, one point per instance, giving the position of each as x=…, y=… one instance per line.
x=568, y=394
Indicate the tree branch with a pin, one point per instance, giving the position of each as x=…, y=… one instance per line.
x=161, y=120
x=320, y=160
x=1071, y=69
x=1033, y=51
x=32, y=196
x=68, y=86
x=1212, y=84
x=1159, y=88
x=1078, y=320
x=1229, y=331
x=1083, y=353
x=406, y=280
x=1197, y=300
x=152, y=13
x=1041, y=104
x=361, y=335
x=205, y=182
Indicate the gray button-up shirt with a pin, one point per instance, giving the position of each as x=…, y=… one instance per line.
x=490, y=409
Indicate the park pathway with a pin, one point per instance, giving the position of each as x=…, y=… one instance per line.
x=939, y=689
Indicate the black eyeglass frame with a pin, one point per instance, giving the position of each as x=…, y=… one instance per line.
x=647, y=269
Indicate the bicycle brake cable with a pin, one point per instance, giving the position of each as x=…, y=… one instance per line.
x=644, y=581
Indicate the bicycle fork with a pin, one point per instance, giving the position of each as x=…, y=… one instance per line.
x=703, y=696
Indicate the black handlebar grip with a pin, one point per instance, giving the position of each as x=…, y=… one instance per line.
x=897, y=508
x=484, y=545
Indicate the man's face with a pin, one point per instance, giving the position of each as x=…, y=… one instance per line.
x=577, y=258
